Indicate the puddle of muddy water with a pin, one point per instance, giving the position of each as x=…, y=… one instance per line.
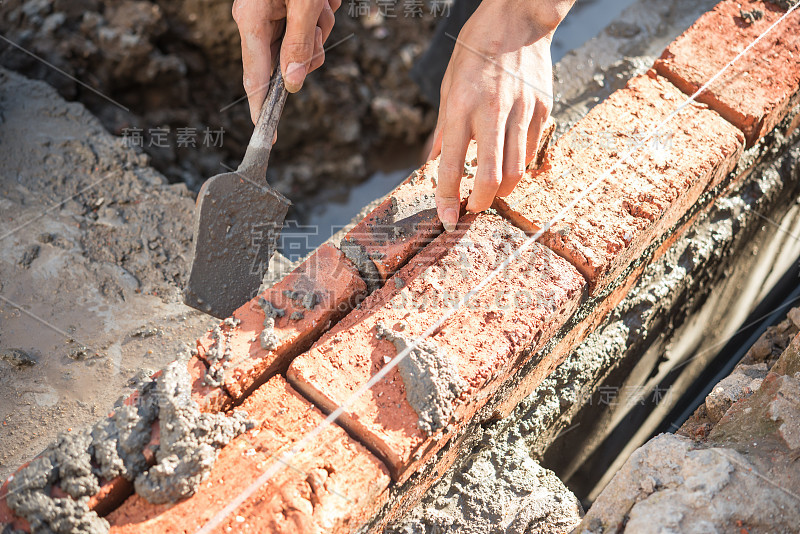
x=321, y=216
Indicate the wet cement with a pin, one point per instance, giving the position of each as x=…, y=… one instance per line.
x=433, y=384
x=93, y=253
x=189, y=439
x=219, y=354
x=77, y=461
x=269, y=340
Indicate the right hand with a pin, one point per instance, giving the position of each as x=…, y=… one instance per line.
x=308, y=24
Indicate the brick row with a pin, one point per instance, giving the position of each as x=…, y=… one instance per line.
x=759, y=89
x=267, y=332
x=641, y=198
x=333, y=485
x=410, y=414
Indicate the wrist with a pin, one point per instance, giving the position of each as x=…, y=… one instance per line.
x=532, y=19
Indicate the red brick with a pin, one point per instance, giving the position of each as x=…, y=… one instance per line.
x=338, y=288
x=757, y=91
x=485, y=341
x=644, y=197
x=407, y=221
x=334, y=485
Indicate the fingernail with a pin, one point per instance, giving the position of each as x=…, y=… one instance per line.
x=449, y=219
x=295, y=75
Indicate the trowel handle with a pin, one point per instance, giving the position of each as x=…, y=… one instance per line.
x=254, y=164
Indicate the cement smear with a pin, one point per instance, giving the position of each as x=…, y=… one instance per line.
x=77, y=461
x=269, y=340
x=432, y=382
x=189, y=440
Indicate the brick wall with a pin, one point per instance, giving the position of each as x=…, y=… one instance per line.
x=305, y=346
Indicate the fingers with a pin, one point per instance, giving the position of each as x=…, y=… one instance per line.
x=455, y=139
x=436, y=145
x=256, y=36
x=535, y=132
x=298, y=43
x=319, y=52
x=515, y=147
x=490, y=163
x=326, y=20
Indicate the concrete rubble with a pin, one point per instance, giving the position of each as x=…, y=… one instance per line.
x=743, y=441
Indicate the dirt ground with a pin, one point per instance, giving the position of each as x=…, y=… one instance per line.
x=177, y=65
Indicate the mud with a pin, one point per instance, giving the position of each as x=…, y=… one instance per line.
x=17, y=358
x=432, y=382
x=189, y=439
x=101, y=299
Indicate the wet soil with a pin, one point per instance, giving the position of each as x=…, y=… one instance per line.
x=93, y=251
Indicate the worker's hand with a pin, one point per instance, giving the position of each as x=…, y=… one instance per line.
x=308, y=24
x=497, y=90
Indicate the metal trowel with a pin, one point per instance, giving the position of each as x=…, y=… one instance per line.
x=237, y=222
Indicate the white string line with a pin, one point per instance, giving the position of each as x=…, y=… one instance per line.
x=334, y=415
x=73, y=78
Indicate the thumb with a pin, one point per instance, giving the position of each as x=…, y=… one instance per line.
x=298, y=43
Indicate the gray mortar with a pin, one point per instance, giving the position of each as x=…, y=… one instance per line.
x=268, y=338
x=357, y=254
x=432, y=382
x=219, y=354
x=189, y=440
x=499, y=489
x=77, y=461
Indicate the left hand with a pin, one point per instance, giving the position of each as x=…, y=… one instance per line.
x=497, y=90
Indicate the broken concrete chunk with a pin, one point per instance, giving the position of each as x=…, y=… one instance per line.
x=742, y=382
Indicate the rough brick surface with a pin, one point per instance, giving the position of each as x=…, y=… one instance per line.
x=334, y=485
x=407, y=221
x=643, y=197
x=757, y=91
x=311, y=298
x=398, y=227
x=482, y=343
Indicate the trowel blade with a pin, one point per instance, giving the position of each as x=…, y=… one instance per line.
x=237, y=223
